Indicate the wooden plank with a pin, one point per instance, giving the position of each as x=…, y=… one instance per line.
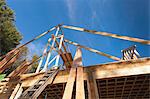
x=19, y=92
x=9, y=63
x=8, y=58
x=92, y=86
x=18, y=70
x=15, y=91
x=64, y=55
x=70, y=83
x=80, y=93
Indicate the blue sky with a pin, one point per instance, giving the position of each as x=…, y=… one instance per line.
x=124, y=17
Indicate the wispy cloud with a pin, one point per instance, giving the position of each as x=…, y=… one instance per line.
x=71, y=5
x=35, y=48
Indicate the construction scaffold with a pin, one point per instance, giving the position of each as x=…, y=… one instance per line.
x=77, y=81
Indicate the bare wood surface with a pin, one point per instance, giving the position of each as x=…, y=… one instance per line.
x=92, y=86
x=93, y=50
x=15, y=91
x=142, y=41
x=114, y=69
x=70, y=83
x=80, y=93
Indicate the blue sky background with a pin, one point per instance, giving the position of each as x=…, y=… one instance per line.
x=124, y=17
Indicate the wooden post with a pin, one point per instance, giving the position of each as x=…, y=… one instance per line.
x=72, y=76
x=92, y=86
x=70, y=83
x=77, y=58
x=80, y=84
x=79, y=81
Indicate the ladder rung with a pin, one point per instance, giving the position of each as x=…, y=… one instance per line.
x=43, y=79
x=50, y=72
x=46, y=76
x=37, y=86
x=32, y=90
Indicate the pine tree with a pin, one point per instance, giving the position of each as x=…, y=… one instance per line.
x=9, y=35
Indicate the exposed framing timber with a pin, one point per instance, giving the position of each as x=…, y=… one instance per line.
x=114, y=69
x=15, y=91
x=19, y=92
x=142, y=41
x=93, y=50
x=92, y=86
x=70, y=83
x=80, y=93
x=6, y=64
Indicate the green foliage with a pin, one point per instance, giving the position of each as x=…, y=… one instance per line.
x=2, y=76
x=9, y=36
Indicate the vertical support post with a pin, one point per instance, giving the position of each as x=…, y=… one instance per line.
x=70, y=83
x=49, y=54
x=60, y=45
x=72, y=76
x=79, y=81
x=80, y=93
x=92, y=86
x=77, y=58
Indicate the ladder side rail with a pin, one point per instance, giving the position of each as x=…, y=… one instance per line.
x=49, y=54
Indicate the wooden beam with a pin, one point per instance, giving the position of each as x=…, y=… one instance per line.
x=109, y=70
x=93, y=50
x=70, y=83
x=19, y=92
x=72, y=76
x=80, y=93
x=15, y=91
x=92, y=86
x=8, y=57
x=9, y=62
x=142, y=41
x=19, y=70
x=77, y=62
x=124, y=68
x=63, y=56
